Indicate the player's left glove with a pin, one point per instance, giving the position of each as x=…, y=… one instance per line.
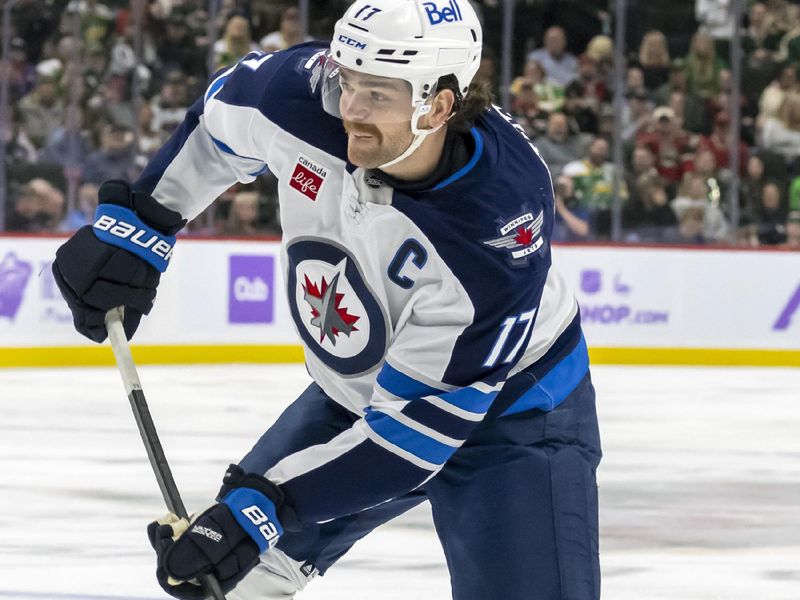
x=225, y=540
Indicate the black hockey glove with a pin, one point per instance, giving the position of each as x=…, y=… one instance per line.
x=226, y=539
x=117, y=261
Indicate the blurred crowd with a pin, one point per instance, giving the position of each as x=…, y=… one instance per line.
x=84, y=109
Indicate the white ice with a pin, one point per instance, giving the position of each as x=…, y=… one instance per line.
x=700, y=483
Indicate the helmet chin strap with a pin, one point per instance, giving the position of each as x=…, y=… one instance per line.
x=419, y=135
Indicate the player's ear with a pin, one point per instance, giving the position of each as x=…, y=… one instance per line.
x=441, y=107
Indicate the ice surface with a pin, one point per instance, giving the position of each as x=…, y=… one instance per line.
x=700, y=484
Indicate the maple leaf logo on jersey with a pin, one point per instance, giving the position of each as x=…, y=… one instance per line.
x=520, y=237
x=328, y=314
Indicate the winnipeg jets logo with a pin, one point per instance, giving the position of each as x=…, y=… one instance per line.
x=520, y=237
x=328, y=315
x=337, y=315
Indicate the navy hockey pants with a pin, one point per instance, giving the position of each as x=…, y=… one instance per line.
x=515, y=508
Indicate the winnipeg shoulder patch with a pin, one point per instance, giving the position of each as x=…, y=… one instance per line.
x=519, y=237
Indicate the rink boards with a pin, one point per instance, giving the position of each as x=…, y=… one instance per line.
x=223, y=301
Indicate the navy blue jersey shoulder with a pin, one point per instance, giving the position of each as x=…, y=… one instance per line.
x=280, y=87
x=491, y=223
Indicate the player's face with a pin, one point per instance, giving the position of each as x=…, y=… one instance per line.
x=377, y=117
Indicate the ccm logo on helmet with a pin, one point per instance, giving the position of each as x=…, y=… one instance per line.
x=447, y=14
x=265, y=526
x=351, y=42
x=135, y=235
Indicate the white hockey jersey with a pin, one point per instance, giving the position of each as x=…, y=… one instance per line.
x=413, y=308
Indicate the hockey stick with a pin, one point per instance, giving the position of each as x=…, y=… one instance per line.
x=133, y=388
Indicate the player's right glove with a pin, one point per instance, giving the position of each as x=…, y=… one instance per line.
x=226, y=539
x=117, y=261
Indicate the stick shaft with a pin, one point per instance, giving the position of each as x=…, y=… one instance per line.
x=147, y=429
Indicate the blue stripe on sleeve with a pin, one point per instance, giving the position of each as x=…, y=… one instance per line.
x=470, y=399
x=228, y=150
x=401, y=385
x=559, y=382
x=427, y=414
x=414, y=442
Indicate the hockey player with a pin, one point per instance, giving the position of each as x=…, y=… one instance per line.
x=446, y=352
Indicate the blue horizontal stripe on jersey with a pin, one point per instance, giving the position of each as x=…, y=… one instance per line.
x=553, y=388
x=401, y=385
x=432, y=416
x=470, y=399
x=476, y=155
x=228, y=150
x=410, y=440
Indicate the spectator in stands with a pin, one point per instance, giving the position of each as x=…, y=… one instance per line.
x=235, y=42
x=762, y=36
x=289, y=33
x=718, y=143
x=581, y=111
x=38, y=208
x=642, y=166
x=243, y=214
x=115, y=158
x=150, y=138
x=647, y=215
x=95, y=67
x=42, y=110
x=793, y=230
x=112, y=103
x=593, y=178
x=635, y=114
x=525, y=108
x=634, y=80
x=771, y=100
x=782, y=134
x=559, y=146
x=19, y=147
x=690, y=112
x=716, y=20
x=704, y=164
x=750, y=190
x=572, y=221
x=667, y=142
x=593, y=87
x=178, y=50
x=169, y=105
x=771, y=217
x=694, y=193
x=690, y=227
x=600, y=51
x=83, y=213
x=654, y=60
x=549, y=93
x=20, y=72
x=703, y=66
x=559, y=64
x=68, y=144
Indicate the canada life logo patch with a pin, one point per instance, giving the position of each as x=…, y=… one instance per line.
x=307, y=178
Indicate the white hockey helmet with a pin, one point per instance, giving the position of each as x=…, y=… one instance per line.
x=413, y=40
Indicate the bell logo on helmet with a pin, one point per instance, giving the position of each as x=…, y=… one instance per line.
x=351, y=42
x=447, y=14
